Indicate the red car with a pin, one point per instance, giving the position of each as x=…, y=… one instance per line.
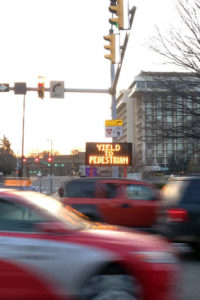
x=49, y=252
x=116, y=201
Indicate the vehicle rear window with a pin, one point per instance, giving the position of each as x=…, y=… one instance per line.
x=192, y=193
x=172, y=192
x=139, y=192
x=80, y=189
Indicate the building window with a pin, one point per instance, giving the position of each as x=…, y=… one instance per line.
x=179, y=146
x=169, y=153
x=160, y=153
x=149, y=146
x=169, y=118
x=140, y=84
x=160, y=160
x=169, y=146
x=149, y=152
x=149, y=161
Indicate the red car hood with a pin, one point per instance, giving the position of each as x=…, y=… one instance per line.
x=113, y=236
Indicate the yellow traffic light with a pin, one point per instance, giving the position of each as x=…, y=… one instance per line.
x=114, y=55
x=122, y=11
x=41, y=87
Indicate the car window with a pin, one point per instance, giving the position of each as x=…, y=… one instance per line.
x=111, y=190
x=139, y=192
x=80, y=189
x=172, y=192
x=192, y=193
x=15, y=217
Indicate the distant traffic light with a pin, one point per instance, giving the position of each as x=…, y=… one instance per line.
x=41, y=87
x=24, y=159
x=114, y=48
x=37, y=160
x=121, y=9
x=50, y=159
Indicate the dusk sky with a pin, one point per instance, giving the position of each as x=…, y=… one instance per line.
x=63, y=40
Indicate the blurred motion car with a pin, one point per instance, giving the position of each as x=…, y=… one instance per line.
x=180, y=214
x=123, y=202
x=47, y=251
x=22, y=184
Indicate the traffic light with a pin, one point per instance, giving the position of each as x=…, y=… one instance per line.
x=24, y=159
x=50, y=159
x=114, y=48
x=112, y=3
x=37, y=160
x=41, y=87
x=121, y=9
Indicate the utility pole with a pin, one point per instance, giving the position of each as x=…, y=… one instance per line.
x=51, y=169
x=114, y=110
x=23, y=125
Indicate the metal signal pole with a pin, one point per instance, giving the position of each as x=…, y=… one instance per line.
x=23, y=125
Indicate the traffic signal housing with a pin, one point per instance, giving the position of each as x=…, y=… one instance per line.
x=41, y=87
x=121, y=9
x=114, y=48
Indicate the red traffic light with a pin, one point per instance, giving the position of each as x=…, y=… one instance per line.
x=37, y=160
x=50, y=159
x=41, y=87
x=23, y=159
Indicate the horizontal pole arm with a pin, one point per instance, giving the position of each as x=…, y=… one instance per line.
x=100, y=91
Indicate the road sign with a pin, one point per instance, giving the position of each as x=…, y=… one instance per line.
x=20, y=88
x=109, y=123
x=110, y=154
x=113, y=131
x=57, y=89
x=4, y=87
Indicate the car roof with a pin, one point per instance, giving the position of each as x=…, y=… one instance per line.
x=192, y=177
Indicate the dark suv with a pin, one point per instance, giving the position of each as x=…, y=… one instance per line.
x=180, y=217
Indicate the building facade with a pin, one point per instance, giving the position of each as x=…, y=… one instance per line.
x=154, y=102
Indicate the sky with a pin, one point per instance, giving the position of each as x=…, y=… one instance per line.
x=63, y=40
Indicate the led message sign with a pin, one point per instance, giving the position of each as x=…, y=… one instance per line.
x=110, y=154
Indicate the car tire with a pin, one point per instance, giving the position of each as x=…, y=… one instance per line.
x=112, y=287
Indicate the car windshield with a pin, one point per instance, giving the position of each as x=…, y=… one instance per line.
x=55, y=210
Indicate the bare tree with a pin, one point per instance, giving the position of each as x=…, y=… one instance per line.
x=181, y=47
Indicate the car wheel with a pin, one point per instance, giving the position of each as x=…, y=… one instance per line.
x=112, y=287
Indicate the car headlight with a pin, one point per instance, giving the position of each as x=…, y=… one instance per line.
x=159, y=257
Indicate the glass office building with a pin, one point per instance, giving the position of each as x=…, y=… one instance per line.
x=156, y=103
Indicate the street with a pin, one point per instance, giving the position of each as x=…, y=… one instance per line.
x=190, y=274
x=189, y=263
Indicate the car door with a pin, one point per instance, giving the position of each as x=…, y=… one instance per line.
x=35, y=264
x=113, y=203
x=142, y=202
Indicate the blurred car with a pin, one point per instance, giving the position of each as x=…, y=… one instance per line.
x=123, y=202
x=19, y=183
x=180, y=214
x=47, y=251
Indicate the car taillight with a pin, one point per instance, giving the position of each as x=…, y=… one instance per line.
x=177, y=215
